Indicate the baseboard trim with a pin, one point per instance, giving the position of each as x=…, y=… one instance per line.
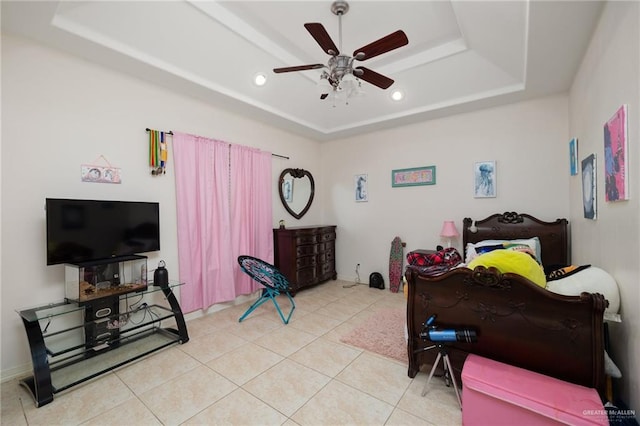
x=221, y=306
x=15, y=372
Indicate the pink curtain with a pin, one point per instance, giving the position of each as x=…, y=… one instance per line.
x=251, y=213
x=214, y=225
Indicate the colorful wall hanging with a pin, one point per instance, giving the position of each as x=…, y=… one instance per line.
x=616, y=173
x=414, y=176
x=158, y=151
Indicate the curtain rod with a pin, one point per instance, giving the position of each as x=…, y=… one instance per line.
x=169, y=132
x=272, y=154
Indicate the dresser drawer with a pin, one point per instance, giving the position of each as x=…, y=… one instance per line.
x=305, y=262
x=306, y=250
x=329, y=245
x=305, y=276
x=326, y=268
x=326, y=256
x=327, y=236
x=306, y=239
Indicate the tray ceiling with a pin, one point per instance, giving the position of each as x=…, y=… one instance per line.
x=461, y=56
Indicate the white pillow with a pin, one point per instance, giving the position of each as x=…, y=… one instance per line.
x=534, y=243
x=591, y=280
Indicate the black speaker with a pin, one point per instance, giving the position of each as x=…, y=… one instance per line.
x=161, y=276
x=98, y=314
x=376, y=280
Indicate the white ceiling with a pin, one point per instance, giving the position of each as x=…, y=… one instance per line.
x=461, y=56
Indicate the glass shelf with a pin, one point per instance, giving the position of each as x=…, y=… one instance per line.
x=64, y=307
x=73, y=340
x=49, y=311
x=83, y=367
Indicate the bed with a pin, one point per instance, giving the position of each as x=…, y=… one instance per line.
x=517, y=322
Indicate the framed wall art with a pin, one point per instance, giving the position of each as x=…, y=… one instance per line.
x=414, y=177
x=360, y=188
x=616, y=164
x=573, y=156
x=589, y=187
x=484, y=173
x=99, y=173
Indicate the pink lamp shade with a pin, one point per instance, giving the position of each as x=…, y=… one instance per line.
x=449, y=231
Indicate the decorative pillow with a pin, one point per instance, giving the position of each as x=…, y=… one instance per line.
x=565, y=272
x=448, y=256
x=473, y=250
x=590, y=280
x=515, y=262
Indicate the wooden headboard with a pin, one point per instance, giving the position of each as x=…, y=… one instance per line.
x=554, y=236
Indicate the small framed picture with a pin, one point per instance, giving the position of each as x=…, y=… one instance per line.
x=287, y=189
x=99, y=174
x=484, y=179
x=360, y=188
x=573, y=156
x=413, y=177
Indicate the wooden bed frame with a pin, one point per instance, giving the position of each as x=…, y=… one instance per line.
x=517, y=322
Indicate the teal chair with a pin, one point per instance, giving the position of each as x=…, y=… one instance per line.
x=273, y=281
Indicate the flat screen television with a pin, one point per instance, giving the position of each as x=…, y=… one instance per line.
x=81, y=231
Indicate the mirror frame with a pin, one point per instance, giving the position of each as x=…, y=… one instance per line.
x=297, y=174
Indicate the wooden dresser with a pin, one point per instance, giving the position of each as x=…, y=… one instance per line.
x=305, y=255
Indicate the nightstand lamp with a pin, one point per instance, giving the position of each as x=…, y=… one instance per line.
x=449, y=231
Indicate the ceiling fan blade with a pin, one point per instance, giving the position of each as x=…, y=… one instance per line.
x=322, y=37
x=374, y=78
x=384, y=45
x=298, y=68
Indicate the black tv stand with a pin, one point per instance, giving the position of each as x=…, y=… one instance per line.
x=71, y=342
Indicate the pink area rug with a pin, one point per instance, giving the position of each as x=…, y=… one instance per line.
x=382, y=333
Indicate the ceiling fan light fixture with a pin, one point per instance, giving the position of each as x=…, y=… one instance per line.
x=348, y=82
x=358, y=91
x=324, y=86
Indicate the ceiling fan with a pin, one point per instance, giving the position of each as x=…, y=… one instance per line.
x=339, y=74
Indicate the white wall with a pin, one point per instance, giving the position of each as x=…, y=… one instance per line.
x=59, y=112
x=527, y=140
x=609, y=76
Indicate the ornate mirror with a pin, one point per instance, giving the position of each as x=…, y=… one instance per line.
x=296, y=189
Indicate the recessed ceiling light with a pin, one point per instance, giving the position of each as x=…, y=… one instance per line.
x=260, y=79
x=397, y=95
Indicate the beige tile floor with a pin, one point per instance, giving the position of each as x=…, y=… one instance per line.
x=258, y=372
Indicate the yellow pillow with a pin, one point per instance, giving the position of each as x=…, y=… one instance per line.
x=512, y=261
